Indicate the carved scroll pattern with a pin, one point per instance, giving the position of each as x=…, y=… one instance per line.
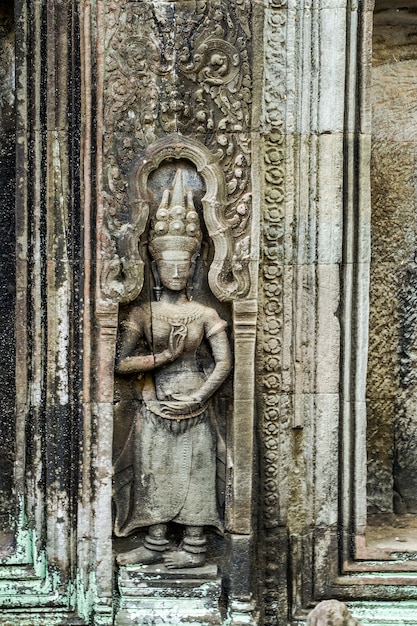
x=275, y=416
x=172, y=70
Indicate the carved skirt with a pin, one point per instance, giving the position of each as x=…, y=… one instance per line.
x=167, y=473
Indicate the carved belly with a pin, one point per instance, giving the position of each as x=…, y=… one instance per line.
x=182, y=381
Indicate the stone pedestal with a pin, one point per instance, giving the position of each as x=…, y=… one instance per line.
x=151, y=594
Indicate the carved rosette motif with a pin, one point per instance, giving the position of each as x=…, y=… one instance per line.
x=275, y=418
x=169, y=70
x=273, y=217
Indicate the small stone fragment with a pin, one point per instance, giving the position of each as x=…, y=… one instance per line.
x=331, y=613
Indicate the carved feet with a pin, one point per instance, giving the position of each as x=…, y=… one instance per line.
x=156, y=549
x=173, y=559
x=178, y=559
x=139, y=555
x=152, y=550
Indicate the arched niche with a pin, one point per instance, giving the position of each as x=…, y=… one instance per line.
x=225, y=281
x=228, y=276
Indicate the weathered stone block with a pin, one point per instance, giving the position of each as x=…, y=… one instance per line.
x=153, y=595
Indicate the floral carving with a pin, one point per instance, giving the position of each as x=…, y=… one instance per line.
x=273, y=228
x=273, y=425
x=275, y=414
x=274, y=65
x=170, y=69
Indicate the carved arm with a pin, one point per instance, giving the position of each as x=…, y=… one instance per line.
x=137, y=364
x=221, y=354
x=223, y=362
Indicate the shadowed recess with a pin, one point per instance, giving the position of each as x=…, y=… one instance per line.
x=7, y=260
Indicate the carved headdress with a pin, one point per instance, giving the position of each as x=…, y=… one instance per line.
x=176, y=225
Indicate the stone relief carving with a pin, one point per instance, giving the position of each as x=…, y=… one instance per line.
x=274, y=64
x=275, y=416
x=173, y=69
x=176, y=89
x=272, y=324
x=272, y=244
x=166, y=469
x=122, y=269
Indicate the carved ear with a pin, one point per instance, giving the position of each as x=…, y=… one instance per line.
x=157, y=281
x=190, y=281
x=143, y=250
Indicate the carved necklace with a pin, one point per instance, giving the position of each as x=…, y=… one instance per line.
x=179, y=313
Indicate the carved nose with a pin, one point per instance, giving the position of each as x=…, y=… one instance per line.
x=175, y=275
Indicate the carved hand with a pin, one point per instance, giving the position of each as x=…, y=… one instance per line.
x=176, y=340
x=139, y=364
x=182, y=404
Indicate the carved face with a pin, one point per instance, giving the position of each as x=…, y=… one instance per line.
x=174, y=269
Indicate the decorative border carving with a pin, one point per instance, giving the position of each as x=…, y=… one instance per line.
x=272, y=259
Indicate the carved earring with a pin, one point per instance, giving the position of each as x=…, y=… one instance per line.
x=190, y=282
x=157, y=282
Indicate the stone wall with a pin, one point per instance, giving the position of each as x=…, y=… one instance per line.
x=391, y=434
x=263, y=110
